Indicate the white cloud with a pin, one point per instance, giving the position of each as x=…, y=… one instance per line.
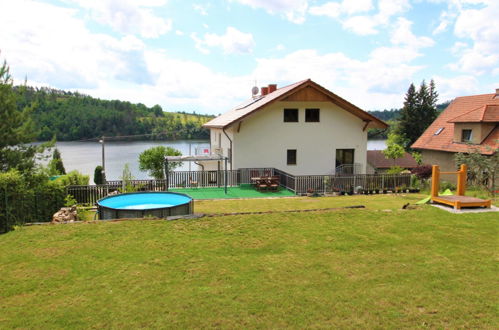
x=449, y=88
x=482, y=27
x=348, y=13
x=232, y=42
x=402, y=35
x=335, y=9
x=128, y=17
x=378, y=82
x=62, y=50
x=202, y=9
x=293, y=10
x=361, y=25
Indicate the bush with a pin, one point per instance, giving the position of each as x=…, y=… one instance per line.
x=395, y=170
x=98, y=175
x=21, y=203
x=444, y=185
x=422, y=172
x=73, y=178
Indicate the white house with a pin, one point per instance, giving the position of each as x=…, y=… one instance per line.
x=302, y=129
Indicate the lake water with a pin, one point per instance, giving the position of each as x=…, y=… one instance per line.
x=85, y=156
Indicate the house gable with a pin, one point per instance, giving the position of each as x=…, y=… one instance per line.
x=307, y=94
x=306, y=89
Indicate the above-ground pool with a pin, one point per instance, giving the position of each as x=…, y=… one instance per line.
x=143, y=204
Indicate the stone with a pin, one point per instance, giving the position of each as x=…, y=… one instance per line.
x=65, y=214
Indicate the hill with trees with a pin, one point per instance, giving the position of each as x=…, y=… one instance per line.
x=71, y=116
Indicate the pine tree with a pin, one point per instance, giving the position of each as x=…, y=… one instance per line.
x=408, y=114
x=419, y=111
x=16, y=129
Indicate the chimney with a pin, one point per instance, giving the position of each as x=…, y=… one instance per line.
x=497, y=94
x=265, y=91
x=272, y=87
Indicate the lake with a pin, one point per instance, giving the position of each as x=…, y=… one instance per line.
x=85, y=156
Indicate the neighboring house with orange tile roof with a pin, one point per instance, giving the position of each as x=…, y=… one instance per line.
x=302, y=129
x=378, y=163
x=468, y=123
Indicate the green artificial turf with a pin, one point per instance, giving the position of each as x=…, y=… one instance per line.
x=379, y=267
x=243, y=191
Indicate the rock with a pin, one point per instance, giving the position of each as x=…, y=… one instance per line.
x=65, y=214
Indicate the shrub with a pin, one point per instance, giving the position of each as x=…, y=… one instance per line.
x=395, y=170
x=98, y=175
x=444, y=185
x=422, y=172
x=73, y=178
x=21, y=203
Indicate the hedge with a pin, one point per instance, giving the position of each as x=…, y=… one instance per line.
x=20, y=204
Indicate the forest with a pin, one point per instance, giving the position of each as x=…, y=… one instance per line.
x=71, y=116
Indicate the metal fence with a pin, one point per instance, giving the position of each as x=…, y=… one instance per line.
x=19, y=207
x=352, y=183
x=300, y=184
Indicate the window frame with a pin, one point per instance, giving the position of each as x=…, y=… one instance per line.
x=288, y=158
x=310, y=111
x=286, y=119
x=463, y=139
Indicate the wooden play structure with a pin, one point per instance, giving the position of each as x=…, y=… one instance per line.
x=459, y=200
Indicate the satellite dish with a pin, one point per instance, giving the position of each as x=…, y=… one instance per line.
x=255, y=90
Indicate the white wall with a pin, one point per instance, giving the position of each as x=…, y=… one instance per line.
x=218, y=139
x=264, y=138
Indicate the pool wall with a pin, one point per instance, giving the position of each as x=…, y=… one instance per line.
x=107, y=213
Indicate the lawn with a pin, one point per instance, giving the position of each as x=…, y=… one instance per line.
x=243, y=191
x=379, y=267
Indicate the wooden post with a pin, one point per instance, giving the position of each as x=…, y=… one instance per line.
x=435, y=180
x=461, y=180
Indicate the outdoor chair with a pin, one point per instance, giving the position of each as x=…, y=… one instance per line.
x=273, y=183
x=261, y=185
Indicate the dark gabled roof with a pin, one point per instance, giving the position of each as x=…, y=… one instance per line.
x=377, y=159
x=248, y=108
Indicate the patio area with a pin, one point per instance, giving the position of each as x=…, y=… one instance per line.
x=242, y=191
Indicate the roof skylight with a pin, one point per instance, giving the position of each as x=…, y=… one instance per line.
x=439, y=130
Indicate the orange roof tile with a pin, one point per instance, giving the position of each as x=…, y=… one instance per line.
x=486, y=113
x=249, y=107
x=462, y=108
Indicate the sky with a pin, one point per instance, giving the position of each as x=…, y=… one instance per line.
x=205, y=56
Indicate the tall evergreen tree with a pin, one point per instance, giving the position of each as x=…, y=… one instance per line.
x=16, y=129
x=419, y=111
x=408, y=114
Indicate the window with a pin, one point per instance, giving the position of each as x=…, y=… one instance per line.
x=439, y=130
x=466, y=135
x=344, y=156
x=290, y=115
x=291, y=157
x=312, y=115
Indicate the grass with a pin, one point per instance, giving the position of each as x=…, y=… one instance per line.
x=379, y=267
x=243, y=191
